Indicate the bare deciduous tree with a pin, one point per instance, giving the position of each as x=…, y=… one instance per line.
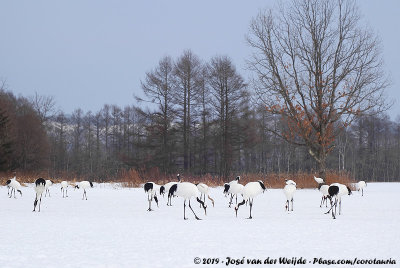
x=44, y=106
x=77, y=140
x=226, y=87
x=318, y=68
x=205, y=112
x=158, y=87
x=187, y=72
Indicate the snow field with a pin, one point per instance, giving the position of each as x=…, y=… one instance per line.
x=113, y=229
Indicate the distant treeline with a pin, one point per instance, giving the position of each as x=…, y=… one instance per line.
x=203, y=119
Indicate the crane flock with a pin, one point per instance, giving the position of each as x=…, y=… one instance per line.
x=332, y=193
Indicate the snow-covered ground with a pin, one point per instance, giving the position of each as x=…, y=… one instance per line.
x=113, y=229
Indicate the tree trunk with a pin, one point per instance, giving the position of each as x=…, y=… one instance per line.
x=185, y=145
x=322, y=167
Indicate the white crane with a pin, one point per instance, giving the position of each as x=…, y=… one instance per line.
x=64, y=188
x=8, y=185
x=203, y=189
x=187, y=190
x=84, y=185
x=336, y=191
x=168, y=186
x=323, y=188
x=47, y=186
x=15, y=186
x=151, y=189
x=250, y=190
x=233, y=188
x=40, y=185
x=319, y=180
x=289, y=190
x=360, y=186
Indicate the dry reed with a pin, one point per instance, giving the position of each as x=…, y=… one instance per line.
x=136, y=178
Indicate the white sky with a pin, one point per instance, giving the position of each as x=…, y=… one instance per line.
x=89, y=53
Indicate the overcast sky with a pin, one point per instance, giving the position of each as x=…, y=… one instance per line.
x=89, y=53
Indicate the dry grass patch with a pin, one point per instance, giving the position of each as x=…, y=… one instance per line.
x=136, y=178
x=133, y=178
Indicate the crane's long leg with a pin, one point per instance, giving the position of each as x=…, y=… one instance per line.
x=212, y=200
x=238, y=205
x=184, y=210
x=169, y=200
x=35, y=203
x=331, y=209
x=201, y=204
x=155, y=199
x=334, y=214
x=201, y=198
x=197, y=218
x=251, y=205
x=292, y=204
x=149, y=199
x=336, y=203
x=40, y=202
